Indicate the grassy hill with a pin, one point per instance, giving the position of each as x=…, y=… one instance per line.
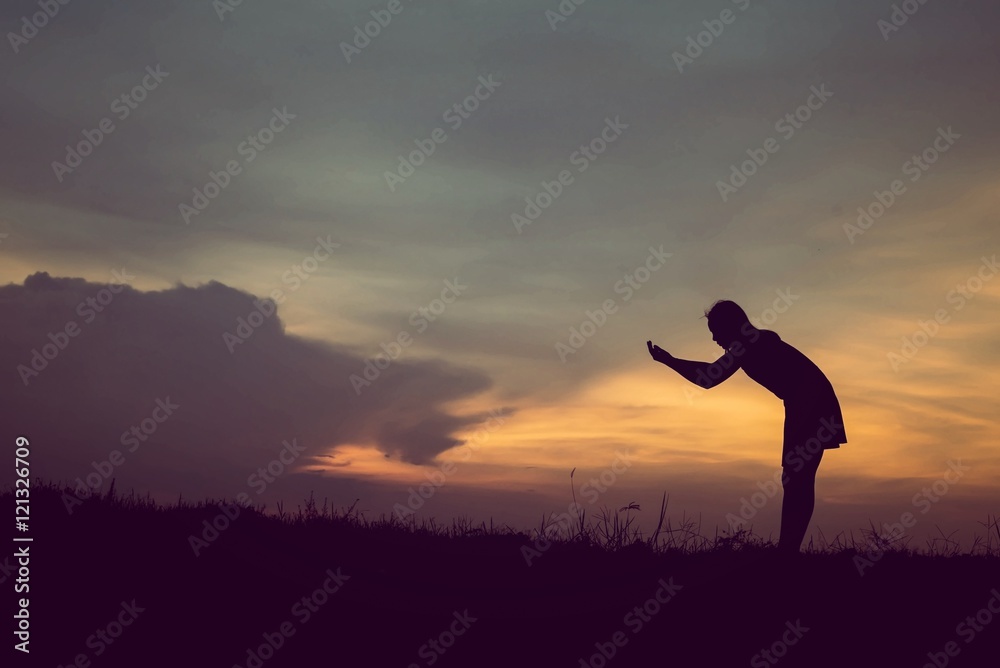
x=123, y=581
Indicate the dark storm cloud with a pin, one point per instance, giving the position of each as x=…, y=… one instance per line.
x=129, y=352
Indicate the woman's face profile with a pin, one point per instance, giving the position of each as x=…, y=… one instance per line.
x=724, y=336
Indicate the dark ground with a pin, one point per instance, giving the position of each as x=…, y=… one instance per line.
x=404, y=589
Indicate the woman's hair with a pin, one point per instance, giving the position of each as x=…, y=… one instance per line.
x=727, y=313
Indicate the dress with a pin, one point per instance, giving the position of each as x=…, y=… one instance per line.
x=813, y=419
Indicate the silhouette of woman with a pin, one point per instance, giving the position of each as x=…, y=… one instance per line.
x=813, y=420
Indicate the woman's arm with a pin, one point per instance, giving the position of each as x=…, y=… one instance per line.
x=704, y=374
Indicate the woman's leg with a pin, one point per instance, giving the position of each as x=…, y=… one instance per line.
x=797, y=504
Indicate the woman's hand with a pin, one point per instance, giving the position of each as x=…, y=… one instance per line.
x=658, y=353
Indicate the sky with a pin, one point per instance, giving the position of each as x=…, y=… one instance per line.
x=242, y=236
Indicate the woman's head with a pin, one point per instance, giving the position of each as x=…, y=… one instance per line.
x=726, y=320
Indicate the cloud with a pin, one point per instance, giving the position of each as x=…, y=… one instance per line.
x=118, y=356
